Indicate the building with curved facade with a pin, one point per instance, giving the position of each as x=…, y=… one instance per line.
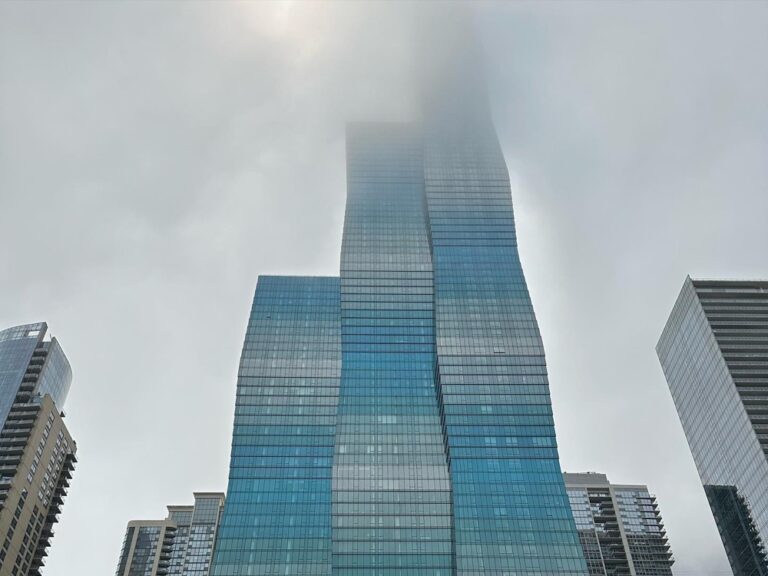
x=396, y=420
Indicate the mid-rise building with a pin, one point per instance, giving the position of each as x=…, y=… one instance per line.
x=37, y=453
x=714, y=353
x=396, y=420
x=620, y=527
x=180, y=545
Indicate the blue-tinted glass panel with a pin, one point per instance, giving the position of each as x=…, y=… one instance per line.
x=277, y=515
x=391, y=497
x=56, y=376
x=511, y=510
x=17, y=345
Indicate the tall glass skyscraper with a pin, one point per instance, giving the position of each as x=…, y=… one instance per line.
x=37, y=453
x=714, y=352
x=397, y=420
x=277, y=516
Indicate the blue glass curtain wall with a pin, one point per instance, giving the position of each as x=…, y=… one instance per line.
x=511, y=510
x=277, y=515
x=391, y=496
x=397, y=421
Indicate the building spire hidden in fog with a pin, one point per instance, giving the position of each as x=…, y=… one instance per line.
x=397, y=419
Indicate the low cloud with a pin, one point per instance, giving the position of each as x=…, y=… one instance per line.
x=155, y=158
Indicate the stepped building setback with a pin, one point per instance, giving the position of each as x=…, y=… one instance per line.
x=396, y=420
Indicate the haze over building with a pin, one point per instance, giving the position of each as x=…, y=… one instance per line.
x=37, y=453
x=714, y=352
x=397, y=419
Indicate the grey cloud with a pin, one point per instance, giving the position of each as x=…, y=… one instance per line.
x=155, y=158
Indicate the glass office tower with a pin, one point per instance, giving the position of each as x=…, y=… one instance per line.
x=37, y=453
x=277, y=516
x=397, y=420
x=714, y=352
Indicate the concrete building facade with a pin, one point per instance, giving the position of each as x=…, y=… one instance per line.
x=180, y=545
x=620, y=527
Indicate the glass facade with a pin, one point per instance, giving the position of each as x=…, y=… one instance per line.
x=277, y=518
x=714, y=353
x=391, y=487
x=511, y=511
x=741, y=539
x=56, y=376
x=16, y=347
x=397, y=420
x=29, y=361
x=200, y=535
x=148, y=539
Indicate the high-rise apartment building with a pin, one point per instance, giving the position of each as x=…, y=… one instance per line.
x=619, y=526
x=396, y=420
x=179, y=545
x=714, y=352
x=37, y=454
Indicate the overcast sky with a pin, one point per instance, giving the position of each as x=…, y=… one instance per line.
x=156, y=158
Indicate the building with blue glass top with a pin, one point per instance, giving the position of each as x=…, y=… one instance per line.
x=25, y=350
x=396, y=420
x=37, y=453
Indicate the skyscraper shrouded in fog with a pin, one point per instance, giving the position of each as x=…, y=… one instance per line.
x=397, y=419
x=714, y=353
x=37, y=453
